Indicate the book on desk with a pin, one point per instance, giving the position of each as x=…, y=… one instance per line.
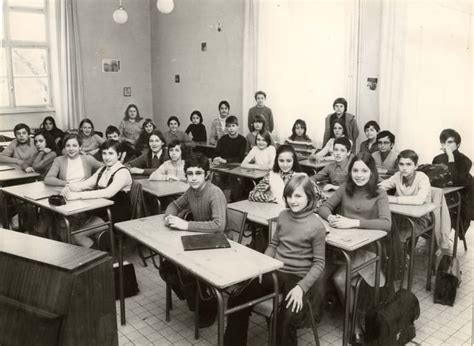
x=204, y=241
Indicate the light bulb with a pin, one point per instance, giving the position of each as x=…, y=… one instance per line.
x=120, y=16
x=165, y=6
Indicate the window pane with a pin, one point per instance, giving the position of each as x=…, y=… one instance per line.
x=3, y=64
x=31, y=91
x=29, y=62
x=27, y=3
x=27, y=26
x=4, y=100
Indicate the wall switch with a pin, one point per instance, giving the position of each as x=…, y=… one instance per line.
x=176, y=78
x=203, y=46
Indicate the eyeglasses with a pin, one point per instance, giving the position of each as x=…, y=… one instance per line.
x=384, y=142
x=197, y=174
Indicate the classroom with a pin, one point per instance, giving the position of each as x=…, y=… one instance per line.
x=236, y=172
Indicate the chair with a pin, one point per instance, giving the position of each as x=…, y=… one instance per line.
x=265, y=308
x=236, y=220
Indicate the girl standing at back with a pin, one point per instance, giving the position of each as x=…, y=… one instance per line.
x=90, y=141
x=298, y=242
x=131, y=125
x=142, y=141
x=196, y=128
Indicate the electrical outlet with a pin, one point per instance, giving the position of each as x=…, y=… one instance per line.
x=176, y=78
x=203, y=46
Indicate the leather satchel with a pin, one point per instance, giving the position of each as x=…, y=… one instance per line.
x=448, y=279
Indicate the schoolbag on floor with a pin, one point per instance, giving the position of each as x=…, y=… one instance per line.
x=448, y=279
x=439, y=174
x=392, y=321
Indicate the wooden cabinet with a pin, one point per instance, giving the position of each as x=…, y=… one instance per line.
x=53, y=293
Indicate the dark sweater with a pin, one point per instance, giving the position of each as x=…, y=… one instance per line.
x=198, y=131
x=145, y=162
x=299, y=242
x=459, y=168
x=231, y=149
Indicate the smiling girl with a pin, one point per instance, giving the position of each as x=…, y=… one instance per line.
x=173, y=169
x=142, y=141
x=148, y=162
x=90, y=141
x=175, y=134
x=131, y=125
x=262, y=155
x=45, y=155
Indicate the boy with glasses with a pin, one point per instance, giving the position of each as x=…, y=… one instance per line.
x=386, y=158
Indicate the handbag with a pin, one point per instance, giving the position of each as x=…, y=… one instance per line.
x=448, y=279
x=439, y=174
x=56, y=200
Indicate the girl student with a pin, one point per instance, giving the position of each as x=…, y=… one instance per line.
x=90, y=141
x=262, y=155
x=299, y=242
x=270, y=188
x=49, y=125
x=258, y=125
x=174, y=133
x=359, y=203
x=172, y=169
x=45, y=154
x=338, y=131
x=142, y=141
x=131, y=125
x=299, y=140
x=113, y=181
x=153, y=158
x=196, y=128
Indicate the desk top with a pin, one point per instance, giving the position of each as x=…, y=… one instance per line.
x=163, y=188
x=52, y=253
x=412, y=210
x=219, y=267
x=15, y=174
x=450, y=189
x=315, y=164
x=258, y=212
x=248, y=172
x=205, y=145
x=27, y=191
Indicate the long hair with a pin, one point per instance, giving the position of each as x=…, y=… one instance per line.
x=340, y=122
x=51, y=119
x=371, y=187
x=126, y=117
x=302, y=124
x=84, y=121
x=286, y=148
x=50, y=143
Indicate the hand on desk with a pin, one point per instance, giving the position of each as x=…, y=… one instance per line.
x=338, y=221
x=70, y=195
x=294, y=299
x=176, y=222
x=29, y=170
x=136, y=170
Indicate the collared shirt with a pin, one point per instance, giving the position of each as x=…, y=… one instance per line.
x=408, y=181
x=334, y=173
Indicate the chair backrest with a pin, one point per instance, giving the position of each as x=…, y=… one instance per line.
x=137, y=201
x=272, y=226
x=236, y=222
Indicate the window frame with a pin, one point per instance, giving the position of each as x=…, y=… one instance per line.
x=8, y=45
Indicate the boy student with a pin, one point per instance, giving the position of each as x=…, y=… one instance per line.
x=218, y=125
x=371, y=129
x=340, y=113
x=260, y=108
x=128, y=153
x=385, y=158
x=336, y=172
x=208, y=206
x=22, y=149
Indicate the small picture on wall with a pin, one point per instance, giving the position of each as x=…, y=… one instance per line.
x=110, y=65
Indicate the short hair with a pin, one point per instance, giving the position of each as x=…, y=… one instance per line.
x=111, y=129
x=259, y=118
x=128, y=108
x=112, y=143
x=171, y=118
x=88, y=121
x=301, y=179
x=51, y=119
x=386, y=133
x=223, y=102
x=446, y=133
x=198, y=113
x=175, y=143
x=159, y=135
x=371, y=186
x=21, y=126
x=408, y=154
x=266, y=136
x=372, y=123
x=231, y=119
x=72, y=136
x=260, y=92
x=197, y=160
x=302, y=124
x=50, y=143
x=342, y=101
x=344, y=141
x=286, y=148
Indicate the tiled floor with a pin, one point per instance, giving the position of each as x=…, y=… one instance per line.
x=437, y=325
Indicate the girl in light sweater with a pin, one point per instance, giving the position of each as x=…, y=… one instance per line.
x=262, y=155
x=298, y=242
x=90, y=140
x=172, y=169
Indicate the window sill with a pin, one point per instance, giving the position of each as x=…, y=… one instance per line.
x=26, y=110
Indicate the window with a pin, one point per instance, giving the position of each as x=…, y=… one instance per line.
x=25, y=81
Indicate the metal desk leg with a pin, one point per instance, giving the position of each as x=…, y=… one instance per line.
x=458, y=216
x=4, y=205
x=412, y=255
x=378, y=266
x=68, y=230
x=196, y=311
x=122, y=298
x=275, y=307
x=111, y=232
x=430, y=256
x=220, y=317
x=347, y=299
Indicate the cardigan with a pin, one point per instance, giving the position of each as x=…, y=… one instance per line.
x=351, y=127
x=390, y=162
x=130, y=130
x=91, y=143
x=299, y=242
x=180, y=136
x=267, y=114
x=208, y=207
x=260, y=158
x=145, y=162
x=217, y=130
x=198, y=131
x=58, y=172
x=373, y=212
x=231, y=149
x=418, y=193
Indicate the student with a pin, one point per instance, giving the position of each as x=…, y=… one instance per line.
x=208, y=205
x=262, y=155
x=338, y=131
x=148, y=162
x=298, y=242
x=218, y=125
x=371, y=129
x=174, y=134
x=113, y=181
x=45, y=155
x=131, y=125
x=260, y=108
x=173, y=169
x=90, y=141
x=128, y=152
x=299, y=140
x=359, y=203
x=336, y=172
x=258, y=126
x=49, y=125
x=270, y=188
x=196, y=128
x=21, y=150
x=386, y=158
x=142, y=141
x=340, y=113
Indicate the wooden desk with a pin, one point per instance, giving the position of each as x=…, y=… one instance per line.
x=16, y=175
x=258, y=212
x=456, y=190
x=205, y=145
x=315, y=165
x=220, y=268
x=251, y=173
x=163, y=188
x=52, y=293
x=23, y=191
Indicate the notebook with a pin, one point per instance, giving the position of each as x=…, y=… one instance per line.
x=204, y=241
x=40, y=193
